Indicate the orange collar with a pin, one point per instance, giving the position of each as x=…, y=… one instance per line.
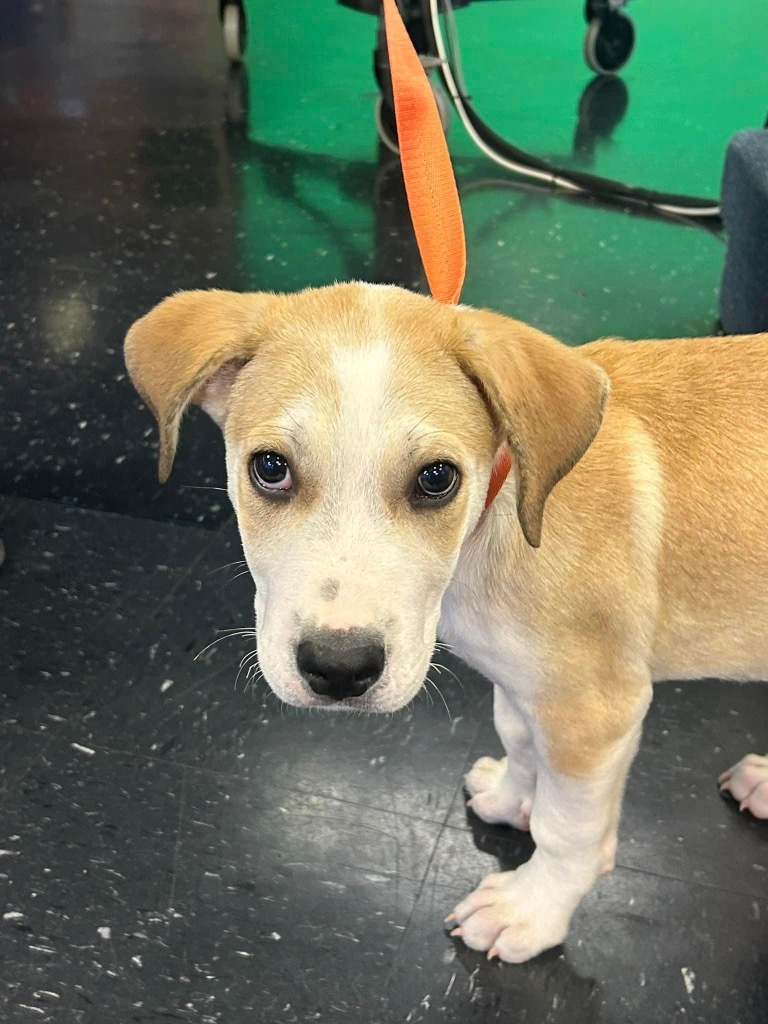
x=499, y=474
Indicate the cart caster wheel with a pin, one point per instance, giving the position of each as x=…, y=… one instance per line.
x=386, y=125
x=233, y=24
x=608, y=43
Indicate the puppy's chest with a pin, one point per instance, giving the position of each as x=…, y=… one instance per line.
x=493, y=641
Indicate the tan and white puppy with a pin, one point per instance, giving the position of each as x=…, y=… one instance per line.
x=628, y=545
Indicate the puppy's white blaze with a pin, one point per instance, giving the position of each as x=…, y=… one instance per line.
x=364, y=378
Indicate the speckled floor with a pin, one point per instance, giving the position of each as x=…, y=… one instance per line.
x=174, y=845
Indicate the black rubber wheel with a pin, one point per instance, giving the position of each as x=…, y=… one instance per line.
x=596, y=9
x=608, y=43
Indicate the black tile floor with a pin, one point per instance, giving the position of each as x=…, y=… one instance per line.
x=174, y=844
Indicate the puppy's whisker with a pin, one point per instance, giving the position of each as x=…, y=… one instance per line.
x=450, y=673
x=245, y=572
x=427, y=433
x=253, y=676
x=418, y=424
x=201, y=487
x=229, y=565
x=248, y=657
x=228, y=635
x=287, y=413
x=437, y=690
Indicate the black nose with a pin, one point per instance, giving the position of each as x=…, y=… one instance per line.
x=341, y=663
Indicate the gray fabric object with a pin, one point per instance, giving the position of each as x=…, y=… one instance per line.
x=744, y=289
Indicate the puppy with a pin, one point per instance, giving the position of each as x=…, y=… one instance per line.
x=363, y=425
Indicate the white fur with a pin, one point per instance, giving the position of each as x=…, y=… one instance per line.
x=517, y=914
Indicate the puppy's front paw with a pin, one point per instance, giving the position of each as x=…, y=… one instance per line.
x=512, y=917
x=747, y=782
x=495, y=796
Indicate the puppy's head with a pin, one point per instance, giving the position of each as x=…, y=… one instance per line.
x=361, y=426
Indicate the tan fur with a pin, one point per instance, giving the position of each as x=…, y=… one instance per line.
x=673, y=444
x=628, y=545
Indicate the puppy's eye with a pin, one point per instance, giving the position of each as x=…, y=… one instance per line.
x=270, y=472
x=437, y=482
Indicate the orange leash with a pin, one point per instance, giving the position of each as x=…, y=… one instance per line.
x=430, y=185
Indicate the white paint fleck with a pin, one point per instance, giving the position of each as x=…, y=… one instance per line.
x=83, y=750
x=450, y=985
x=166, y=685
x=13, y=915
x=9, y=853
x=276, y=936
x=137, y=961
x=242, y=952
x=104, y=932
x=689, y=979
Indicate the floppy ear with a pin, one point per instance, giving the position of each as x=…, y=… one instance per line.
x=546, y=399
x=190, y=349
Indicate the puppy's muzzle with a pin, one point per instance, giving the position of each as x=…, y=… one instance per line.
x=341, y=663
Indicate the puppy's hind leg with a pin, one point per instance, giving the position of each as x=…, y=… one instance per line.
x=747, y=782
x=502, y=790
